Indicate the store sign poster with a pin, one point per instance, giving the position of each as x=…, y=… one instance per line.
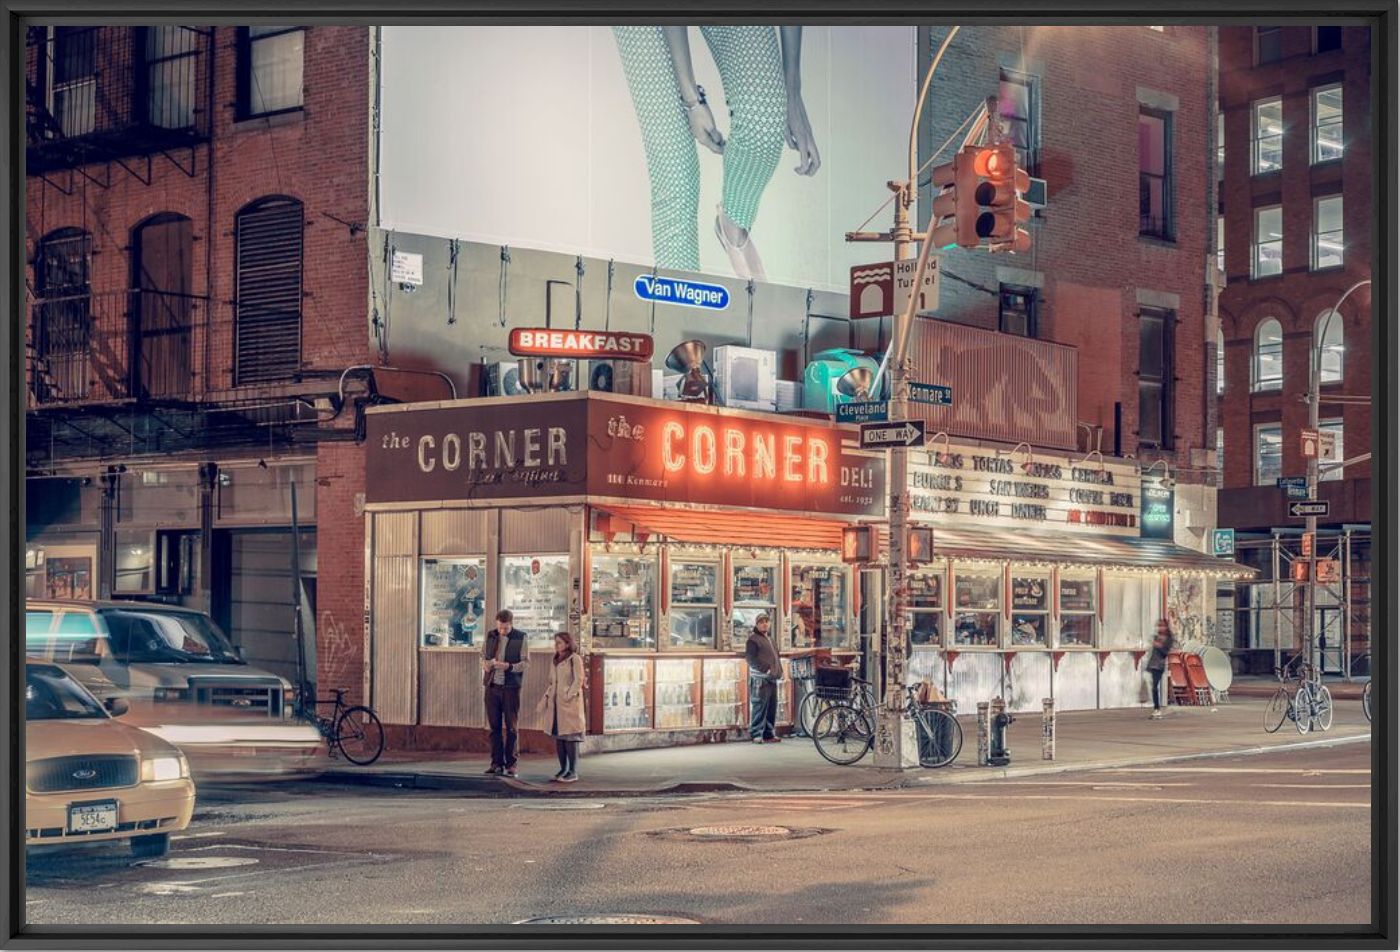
x=1158, y=511
x=709, y=297
x=1223, y=543
x=593, y=345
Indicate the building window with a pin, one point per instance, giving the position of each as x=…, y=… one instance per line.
x=1327, y=245
x=270, y=63
x=1268, y=44
x=1017, y=98
x=695, y=599
x=1219, y=456
x=926, y=605
x=536, y=588
x=62, y=315
x=623, y=600
x=1220, y=146
x=1220, y=243
x=1268, y=241
x=1268, y=356
x=171, y=58
x=1331, y=341
x=1155, y=367
x=1327, y=143
x=1325, y=474
x=454, y=602
x=1017, y=311
x=977, y=617
x=70, y=78
x=1268, y=135
x=1155, y=174
x=1327, y=38
x=1030, y=610
x=1268, y=454
x=268, y=239
x=1078, y=611
x=1219, y=362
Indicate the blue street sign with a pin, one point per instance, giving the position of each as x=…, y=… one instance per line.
x=711, y=297
x=1295, y=486
x=1223, y=542
x=932, y=393
x=865, y=411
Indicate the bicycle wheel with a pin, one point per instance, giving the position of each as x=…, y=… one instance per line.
x=940, y=738
x=1277, y=711
x=360, y=736
x=1322, y=708
x=1302, y=709
x=842, y=734
x=807, y=712
x=1366, y=701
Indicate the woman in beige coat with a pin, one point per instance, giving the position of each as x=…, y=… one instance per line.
x=562, y=705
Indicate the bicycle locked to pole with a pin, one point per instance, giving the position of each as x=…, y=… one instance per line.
x=1308, y=705
x=844, y=731
x=353, y=729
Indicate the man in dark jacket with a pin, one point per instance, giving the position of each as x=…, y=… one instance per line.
x=765, y=671
x=1162, y=645
x=503, y=664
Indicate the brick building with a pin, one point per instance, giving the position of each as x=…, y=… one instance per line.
x=196, y=210
x=1295, y=219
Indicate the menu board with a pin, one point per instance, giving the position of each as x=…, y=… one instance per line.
x=1030, y=594
x=536, y=590
x=1077, y=594
x=454, y=599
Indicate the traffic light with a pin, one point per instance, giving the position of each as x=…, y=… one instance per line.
x=998, y=196
x=953, y=223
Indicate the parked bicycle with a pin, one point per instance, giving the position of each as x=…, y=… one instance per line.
x=1308, y=704
x=834, y=685
x=844, y=733
x=354, y=730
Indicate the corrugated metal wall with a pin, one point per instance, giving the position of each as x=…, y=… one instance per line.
x=449, y=689
x=536, y=531
x=1030, y=681
x=393, y=651
x=1132, y=605
x=1122, y=683
x=1076, y=682
x=455, y=531
x=1004, y=387
x=976, y=676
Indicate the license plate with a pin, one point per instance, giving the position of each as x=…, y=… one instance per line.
x=92, y=817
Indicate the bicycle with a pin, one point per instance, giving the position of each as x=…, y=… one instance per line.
x=353, y=729
x=1366, y=701
x=843, y=733
x=860, y=694
x=1308, y=706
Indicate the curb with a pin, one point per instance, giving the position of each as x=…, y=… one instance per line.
x=490, y=787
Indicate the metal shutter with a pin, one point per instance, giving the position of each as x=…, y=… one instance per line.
x=268, y=306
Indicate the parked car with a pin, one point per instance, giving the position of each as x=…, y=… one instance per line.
x=89, y=777
x=183, y=681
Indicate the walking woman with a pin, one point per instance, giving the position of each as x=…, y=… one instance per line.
x=763, y=90
x=562, y=703
x=1162, y=644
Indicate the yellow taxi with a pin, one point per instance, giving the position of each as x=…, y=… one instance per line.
x=89, y=777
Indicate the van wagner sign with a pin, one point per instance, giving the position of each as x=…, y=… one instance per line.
x=626, y=448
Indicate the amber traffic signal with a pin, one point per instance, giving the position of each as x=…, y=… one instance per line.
x=953, y=223
x=998, y=196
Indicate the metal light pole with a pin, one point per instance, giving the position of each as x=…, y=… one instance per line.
x=1314, y=412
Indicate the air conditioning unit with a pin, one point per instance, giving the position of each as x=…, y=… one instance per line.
x=503, y=379
x=620, y=376
x=665, y=386
x=789, y=394
x=746, y=377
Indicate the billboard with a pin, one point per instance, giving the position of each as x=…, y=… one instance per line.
x=743, y=151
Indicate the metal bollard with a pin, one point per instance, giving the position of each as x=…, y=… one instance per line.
x=984, y=731
x=1047, y=729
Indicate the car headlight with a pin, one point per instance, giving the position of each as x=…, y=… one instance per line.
x=164, y=768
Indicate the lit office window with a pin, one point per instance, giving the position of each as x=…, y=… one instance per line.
x=1327, y=124
x=1330, y=336
x=1268, y=454
x=1327, y=242
x=1268, y=356
x=1268, y=241
x=1268, y=135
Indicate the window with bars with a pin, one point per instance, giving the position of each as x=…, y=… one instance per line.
x=1327, y=143
x=62, y=315
x=171, y=63
x=1156, y=358
x=1155, y=174
x=71, y=78
x=268, y=239
x=270, y=65
x=1268, y=242
x=1017, y=105
x=1267, y=135
x=1017, y=311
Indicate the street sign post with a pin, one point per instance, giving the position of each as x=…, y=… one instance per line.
x=1328, y=572
x=904, y=273
x=862, y=411
x=894, y=433
x=930, y=393
x=1223, y=543
x=1310, y=442
x=1310, y=507
x=1295, y=486
x=1327, y=445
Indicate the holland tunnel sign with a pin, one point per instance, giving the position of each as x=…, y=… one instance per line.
x=585, y=444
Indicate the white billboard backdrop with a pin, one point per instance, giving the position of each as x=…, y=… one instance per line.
x=528, y=136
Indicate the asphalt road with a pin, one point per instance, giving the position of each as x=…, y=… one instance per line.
x=1280, y=838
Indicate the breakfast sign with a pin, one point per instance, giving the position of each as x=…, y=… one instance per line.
x=630, y=448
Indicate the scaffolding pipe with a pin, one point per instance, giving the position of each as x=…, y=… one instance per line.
x=1278, y=596
x=1346, y=605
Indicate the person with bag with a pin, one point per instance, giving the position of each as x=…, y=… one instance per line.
x=1162, y=644
x=562, y=705
x=765, y=671
x=503, y=664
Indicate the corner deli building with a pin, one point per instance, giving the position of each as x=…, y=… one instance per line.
x=657, y=531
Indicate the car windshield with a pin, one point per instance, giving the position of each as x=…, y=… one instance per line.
x=51, y=695
x=158, y=636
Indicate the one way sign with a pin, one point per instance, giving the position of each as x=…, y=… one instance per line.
x=877, y=436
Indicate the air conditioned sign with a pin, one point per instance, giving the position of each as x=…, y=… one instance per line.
x=594, y=345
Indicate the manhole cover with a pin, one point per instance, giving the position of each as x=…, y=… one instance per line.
x=612, y=919
x=740, y=831
x=560, y=805
x=199, y=862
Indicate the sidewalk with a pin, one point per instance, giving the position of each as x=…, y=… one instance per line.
x=1084, y=740
x=1264, y=687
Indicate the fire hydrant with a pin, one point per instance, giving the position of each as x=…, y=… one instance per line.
x=1000, y=754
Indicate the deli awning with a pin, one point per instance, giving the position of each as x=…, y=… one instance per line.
x=1018, y=545
x=758, y=529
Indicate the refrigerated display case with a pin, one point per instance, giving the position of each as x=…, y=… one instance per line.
x=627, y=694
x=677, y=693
x=724, y=701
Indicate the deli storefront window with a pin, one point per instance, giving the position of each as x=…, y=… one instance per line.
x=755, y=593
x=454, y=599
x=1030, y=610
x=623, y=601
x=536, y=590
x=1078, y=611
x=819, y=607
x=694, y=604
x=977, y=618
x=926, y=606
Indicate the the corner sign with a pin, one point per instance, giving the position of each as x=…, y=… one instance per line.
x=876, y=436
x=1223, y=542
x=595, y=345
x=862, y=411
x=711, y=297
x=1310, y=507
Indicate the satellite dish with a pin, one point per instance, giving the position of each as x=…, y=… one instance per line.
x=688, y=358
x=855, y=383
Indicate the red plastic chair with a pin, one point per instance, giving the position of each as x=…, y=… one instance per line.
x=1196, y=679
x=1181, y=692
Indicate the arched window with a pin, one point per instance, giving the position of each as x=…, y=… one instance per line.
x=1268, y=355
x=1219, y=362
x=1329, y=336
x=62, y=315
x=268, y=239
